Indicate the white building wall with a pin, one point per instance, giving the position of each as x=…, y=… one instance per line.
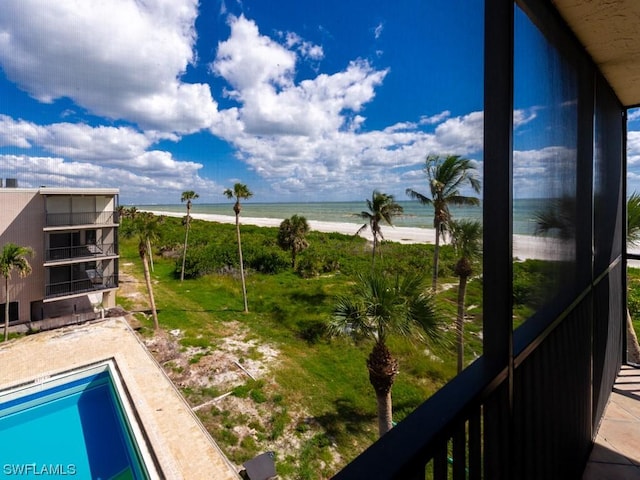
x=21, y=221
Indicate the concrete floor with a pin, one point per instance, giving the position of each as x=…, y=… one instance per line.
x=181, y=445
x=616, y=453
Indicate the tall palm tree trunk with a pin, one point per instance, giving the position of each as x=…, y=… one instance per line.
x=150, y=255
x=373, y=251
x=462, y=290
x=244, y=286
x=385, y=414
x=152, y=301
x=382, y=371
x=6, y=309
x=633, y=350
x=436, y=259
x=184, y=252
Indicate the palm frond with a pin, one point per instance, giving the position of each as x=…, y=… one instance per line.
x=633, y=219
x=349, y=319
x=383, y=305
x=423, y=199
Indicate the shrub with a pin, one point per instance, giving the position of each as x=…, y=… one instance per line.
x=268, y=262
x=309, y=266
x=313, y=263
x=203, y=260
x=312, y=331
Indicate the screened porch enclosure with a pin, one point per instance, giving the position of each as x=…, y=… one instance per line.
x=530, y=406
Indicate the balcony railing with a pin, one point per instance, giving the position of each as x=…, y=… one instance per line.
x=443, y=436
x=80, y=251
x=94, y=282
x=81, y=218
x=535, y=422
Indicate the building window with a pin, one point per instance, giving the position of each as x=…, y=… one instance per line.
x=13, y=312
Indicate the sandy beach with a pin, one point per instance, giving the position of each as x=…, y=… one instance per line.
x=524, y=246
x=394, y=234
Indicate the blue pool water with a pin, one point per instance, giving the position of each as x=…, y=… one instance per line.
x=76, y=429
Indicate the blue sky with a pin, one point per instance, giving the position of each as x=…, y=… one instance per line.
x=302, y=101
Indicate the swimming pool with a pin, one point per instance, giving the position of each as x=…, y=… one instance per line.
x=71, y=425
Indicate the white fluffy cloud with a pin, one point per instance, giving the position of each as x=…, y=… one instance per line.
x=84, y=156
x=633, y=148
x=548, y=171
x=262, y=72
x=121, y=59
x=307, y=49
x=154, y=183
x=633, y=160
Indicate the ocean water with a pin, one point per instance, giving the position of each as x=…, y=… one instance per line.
x=414, y=215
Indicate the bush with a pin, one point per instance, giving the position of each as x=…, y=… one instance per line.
x=535, y=282
x=313, y=263
x=268, y=262
x=309, y=266
x=203, y=260
x=312, y=331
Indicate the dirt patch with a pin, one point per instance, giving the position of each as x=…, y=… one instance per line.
x=231, y=388
x=130, y=288
x=232, y=361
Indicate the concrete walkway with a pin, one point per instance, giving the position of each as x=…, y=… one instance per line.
x=616, y=453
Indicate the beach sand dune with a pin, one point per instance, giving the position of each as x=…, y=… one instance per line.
x=524, y=246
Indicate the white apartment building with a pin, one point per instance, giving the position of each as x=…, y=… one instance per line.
x=74, y=235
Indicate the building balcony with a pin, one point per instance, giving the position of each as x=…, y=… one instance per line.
x=93, y=282
x=81, y=218
x=80, y=252
x=616, y=452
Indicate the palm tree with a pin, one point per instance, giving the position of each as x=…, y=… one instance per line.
x=187, y=196
x=466, y=237
x=145, y=226
x=558, y=218
x=291, y=236
x=633, y=219
x=127, y=212
x=13, y=256
x=382, y=207
x=445, y=177
x=381, y=305
x=240, y=192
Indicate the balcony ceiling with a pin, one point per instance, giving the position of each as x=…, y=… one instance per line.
x=610, y=31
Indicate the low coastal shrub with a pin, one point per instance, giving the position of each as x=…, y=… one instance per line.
x=267, y=262
x=205, y=259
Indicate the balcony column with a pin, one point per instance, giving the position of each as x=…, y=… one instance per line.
x=498, y=227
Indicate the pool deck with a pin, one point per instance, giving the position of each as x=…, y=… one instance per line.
x=181, y=445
